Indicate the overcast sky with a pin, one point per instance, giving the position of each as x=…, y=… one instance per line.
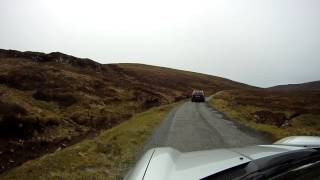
x=259, y=42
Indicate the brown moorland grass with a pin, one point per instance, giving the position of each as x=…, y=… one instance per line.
x=279, y=113
x=108, y=156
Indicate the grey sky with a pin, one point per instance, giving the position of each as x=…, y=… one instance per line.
x=259, y=42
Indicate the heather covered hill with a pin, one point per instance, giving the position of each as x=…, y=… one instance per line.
x=49, y=101
x=179, y=80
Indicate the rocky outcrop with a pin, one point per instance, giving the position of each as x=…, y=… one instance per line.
x=55, y=57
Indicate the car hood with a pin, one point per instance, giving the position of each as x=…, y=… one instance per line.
x=168, y=163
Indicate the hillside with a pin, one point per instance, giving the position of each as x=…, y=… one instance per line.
x=50, y=101
x=279, y=113
x=309, y=86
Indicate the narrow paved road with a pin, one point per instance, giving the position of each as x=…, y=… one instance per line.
x=198, y=126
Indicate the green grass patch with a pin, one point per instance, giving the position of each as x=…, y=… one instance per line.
x=108, y=156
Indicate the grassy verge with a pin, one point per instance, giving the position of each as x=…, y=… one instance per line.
x=306, y=124
x=108, y=156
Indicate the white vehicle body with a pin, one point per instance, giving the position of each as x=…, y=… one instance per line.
x=169, y=164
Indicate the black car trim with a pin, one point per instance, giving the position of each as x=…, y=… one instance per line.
x=144, y=174
x=265, y=167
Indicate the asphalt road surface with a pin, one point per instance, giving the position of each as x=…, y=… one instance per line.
x=198, y=126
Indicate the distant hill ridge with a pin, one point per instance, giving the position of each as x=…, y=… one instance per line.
x=126, y=70
x=61, y=58
x=51, y=57
x=309, y=86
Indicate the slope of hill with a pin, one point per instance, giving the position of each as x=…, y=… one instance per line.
x=279, y=113
x=50, y=101
x=309, y=86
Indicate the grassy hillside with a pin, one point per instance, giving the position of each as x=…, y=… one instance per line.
x=280, y=113
x=51, y=101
